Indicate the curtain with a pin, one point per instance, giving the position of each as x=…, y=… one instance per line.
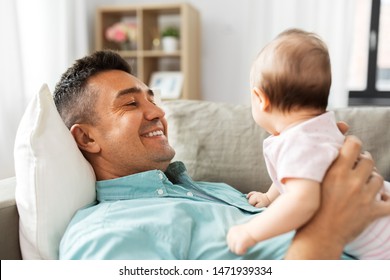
x=12, y=98
x=331, y=19
x=39, y=40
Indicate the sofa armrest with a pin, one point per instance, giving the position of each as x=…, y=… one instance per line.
x=9, y=221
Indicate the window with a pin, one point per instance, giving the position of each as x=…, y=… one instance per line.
x=369, y=78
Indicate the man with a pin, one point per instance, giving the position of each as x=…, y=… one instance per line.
x=149, y=208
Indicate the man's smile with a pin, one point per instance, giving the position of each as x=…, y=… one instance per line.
x=154, y=133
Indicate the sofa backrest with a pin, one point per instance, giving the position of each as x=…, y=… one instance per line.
x=221, y=143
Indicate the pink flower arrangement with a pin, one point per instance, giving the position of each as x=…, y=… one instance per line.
x=121, y=32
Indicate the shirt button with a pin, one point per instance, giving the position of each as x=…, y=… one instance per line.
x=190, y=194
x=161, y=176
x=160, y=191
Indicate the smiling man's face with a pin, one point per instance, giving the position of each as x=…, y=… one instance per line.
x=131, y=134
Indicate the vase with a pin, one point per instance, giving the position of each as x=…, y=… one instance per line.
x=170, y=44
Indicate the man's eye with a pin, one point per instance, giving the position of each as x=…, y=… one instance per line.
x=133, y=103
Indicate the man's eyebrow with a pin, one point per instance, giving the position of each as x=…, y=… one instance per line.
x=133, y=90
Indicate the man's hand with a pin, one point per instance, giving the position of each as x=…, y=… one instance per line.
x=348, y=205
x=354, y=178
x=343, y=127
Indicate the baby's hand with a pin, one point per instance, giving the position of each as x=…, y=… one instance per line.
x=258, y=199
x=239, y=240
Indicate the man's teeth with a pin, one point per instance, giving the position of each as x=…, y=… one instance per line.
x=154, y=133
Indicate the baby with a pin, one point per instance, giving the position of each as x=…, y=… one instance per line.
x=290, y=82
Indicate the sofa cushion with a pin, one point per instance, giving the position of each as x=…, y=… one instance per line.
x=52, y=176
x=221, y=142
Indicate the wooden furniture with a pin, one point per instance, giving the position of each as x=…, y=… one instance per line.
x=143, y=55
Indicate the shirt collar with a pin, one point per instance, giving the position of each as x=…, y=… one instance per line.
x=141, y=185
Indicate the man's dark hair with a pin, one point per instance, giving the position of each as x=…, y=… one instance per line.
x=75, y=101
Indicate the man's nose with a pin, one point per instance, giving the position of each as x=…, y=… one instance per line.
x=153, y=111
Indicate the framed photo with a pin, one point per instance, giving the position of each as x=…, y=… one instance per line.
x=169, y=83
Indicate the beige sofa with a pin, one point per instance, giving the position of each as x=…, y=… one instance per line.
x=220, y=142
x=9, y=219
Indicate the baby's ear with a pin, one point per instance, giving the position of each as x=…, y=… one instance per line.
x=261, y=98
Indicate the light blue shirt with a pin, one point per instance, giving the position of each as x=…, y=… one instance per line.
x=152, y=215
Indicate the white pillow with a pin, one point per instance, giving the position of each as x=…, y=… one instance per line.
x=53, y=179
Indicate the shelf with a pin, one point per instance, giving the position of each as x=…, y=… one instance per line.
x=159, y=53
x=146, y=23
x=126, y=53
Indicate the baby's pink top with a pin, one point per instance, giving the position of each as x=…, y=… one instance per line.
x=304, y=151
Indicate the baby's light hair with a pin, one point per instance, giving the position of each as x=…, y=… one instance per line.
x=294, y=71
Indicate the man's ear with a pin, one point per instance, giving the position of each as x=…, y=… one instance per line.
x=261, y=98
x=85, y=142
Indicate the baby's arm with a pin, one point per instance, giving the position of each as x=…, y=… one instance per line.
x=289, y=211
x=259, y=199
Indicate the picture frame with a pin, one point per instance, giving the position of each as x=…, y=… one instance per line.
x=169, y=83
